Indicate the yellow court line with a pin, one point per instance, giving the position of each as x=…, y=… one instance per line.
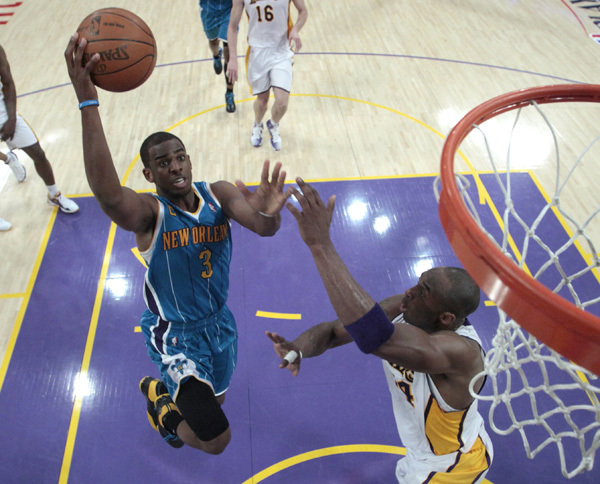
x=267, y=314
x=315, y=454
x=87, y=355
x=330, y=96
x=14, y=295
x=12, y=341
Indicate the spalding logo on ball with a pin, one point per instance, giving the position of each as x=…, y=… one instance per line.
x=126, y=46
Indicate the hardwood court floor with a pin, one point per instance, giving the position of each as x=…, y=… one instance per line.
x=377, y=87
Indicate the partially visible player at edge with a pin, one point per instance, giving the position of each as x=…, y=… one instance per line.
x=184, y=234
x=17, y=134
x=430, y=353
x=214, y=15
x=272, y=43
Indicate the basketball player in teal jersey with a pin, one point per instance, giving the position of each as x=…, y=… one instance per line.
x=184, y=235
x=429, y=349
x=215, y=20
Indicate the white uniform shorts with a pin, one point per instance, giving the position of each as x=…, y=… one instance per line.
x=469, y=468
x=24, y=136
x=267, y=67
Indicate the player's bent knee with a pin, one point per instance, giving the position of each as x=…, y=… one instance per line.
x=219, y=444
x=203, y=413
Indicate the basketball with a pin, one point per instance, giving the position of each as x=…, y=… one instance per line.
x=126, y=46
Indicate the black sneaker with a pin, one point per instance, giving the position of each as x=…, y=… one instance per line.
x=217, y=64
x=164, y=406
x=230, y=103
x=153, y=390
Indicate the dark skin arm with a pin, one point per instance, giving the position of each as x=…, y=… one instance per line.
x=129, y=210
x=451, y=359
x=7, y=130
x=322, y=337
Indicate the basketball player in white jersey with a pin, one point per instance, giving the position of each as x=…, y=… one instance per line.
x=429, y=349
x=272, y=44
x=17, y=134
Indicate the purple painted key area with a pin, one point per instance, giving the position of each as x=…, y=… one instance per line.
x=388, y=233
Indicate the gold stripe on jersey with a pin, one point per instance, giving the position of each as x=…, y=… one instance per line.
x=443, y=429
x=467, y=468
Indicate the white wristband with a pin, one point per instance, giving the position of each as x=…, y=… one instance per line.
x=292, y=356
x=266, y=215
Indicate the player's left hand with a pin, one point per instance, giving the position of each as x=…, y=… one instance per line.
x=295, y=42
x=8, y=129
x=315, y=217
x=268, y=198
x=283, y=348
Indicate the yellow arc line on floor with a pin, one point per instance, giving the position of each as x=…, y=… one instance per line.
x=327, y=451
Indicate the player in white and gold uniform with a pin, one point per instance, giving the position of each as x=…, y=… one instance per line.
x=429, y=362
x=439, y=439
x=272, y=42
x=17, y=134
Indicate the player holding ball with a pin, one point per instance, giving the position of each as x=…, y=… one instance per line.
x=196, y=362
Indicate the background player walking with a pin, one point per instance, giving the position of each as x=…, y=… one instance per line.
x=272, y=45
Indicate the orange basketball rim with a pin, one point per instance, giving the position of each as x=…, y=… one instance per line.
x=556, y=322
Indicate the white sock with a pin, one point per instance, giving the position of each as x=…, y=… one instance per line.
x=52, y=190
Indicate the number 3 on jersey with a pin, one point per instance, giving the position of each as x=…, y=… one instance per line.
x=267, y=13
x=204, y=256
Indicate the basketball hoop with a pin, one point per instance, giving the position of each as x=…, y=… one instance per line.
x=561, y=332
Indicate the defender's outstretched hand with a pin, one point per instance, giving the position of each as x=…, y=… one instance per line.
x=268, y=198
x=315, y=218
x=78, y=72
x=287, y=351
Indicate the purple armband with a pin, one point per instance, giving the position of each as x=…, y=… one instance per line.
x=372, y=330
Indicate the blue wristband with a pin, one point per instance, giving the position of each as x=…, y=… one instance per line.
x=89, y=102
x=372, y=330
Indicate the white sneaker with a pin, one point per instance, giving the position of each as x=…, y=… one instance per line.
x=274, y=132
x=256, y=138
x=66, y=205
x=15, y=165
x=4, y=225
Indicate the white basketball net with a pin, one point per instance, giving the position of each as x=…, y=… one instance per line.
x=535, y=390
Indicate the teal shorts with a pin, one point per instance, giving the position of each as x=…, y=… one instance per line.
x=205, y=350
x=215, y=23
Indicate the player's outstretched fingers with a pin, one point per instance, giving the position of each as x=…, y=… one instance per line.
x=274, y=337
x=300, y=197
x=278, y=176
x=264, y=176
x=70, y=49
x=314, y=196
x=241, y=186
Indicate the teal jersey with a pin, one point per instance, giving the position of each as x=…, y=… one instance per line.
x=188, y=260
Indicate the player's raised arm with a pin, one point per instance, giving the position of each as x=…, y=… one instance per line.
x=125, y=207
